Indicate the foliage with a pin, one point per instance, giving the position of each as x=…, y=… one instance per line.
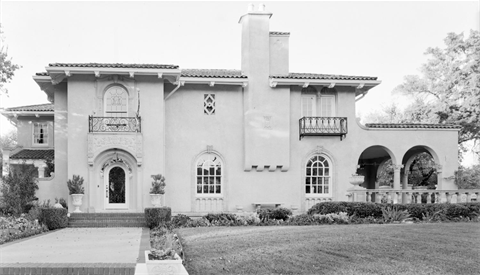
x=50, y=162
x=62, y=201
x=279, y=213
x=18, y=189
x=155, y=216
x=75, y=185
x=302, y=219
x=7, y=67
x=332, y=218
x=164, y=243
x=158, y=184
x=468, y=177
x=55, y=217
x=12, y=228
x=392, y=213
x=359, y=209
x=8, y=140
x=223, y=219
x=180, y=221
x=450, y=84
x=328, y=207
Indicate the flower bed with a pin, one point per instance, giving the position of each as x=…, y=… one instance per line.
x=12, y=228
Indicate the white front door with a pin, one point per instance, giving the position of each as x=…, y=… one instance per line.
x=116, y=188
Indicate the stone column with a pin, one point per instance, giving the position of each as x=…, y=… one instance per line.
x=396, y=176
x=439, y=177
x=6, y=161
x=41, y=165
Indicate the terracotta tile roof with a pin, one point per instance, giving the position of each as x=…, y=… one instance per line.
x=33, y=154
x=114, y=65
x=412, y=126
x=47, y=107
x=280, y=33
x=323, y=76
x=219, y=73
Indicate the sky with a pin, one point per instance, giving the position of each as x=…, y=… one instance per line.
x=385, y=39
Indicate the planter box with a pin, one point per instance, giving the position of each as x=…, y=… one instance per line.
x=164, y=266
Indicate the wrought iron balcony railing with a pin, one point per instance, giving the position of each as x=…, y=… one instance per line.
x=323, y=126
x=114, y=124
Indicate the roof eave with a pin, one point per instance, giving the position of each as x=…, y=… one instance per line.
x=359, y=84
x=212, y=81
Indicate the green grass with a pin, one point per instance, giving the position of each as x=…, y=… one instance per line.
x=435, y=248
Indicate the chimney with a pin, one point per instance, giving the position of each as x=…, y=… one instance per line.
x=256, y=41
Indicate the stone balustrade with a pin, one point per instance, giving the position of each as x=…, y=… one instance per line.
x=413, y=196
x=209, y=204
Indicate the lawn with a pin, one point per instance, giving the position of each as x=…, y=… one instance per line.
x=433, y=248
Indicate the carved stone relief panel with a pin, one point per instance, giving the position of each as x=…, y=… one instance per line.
x=97, y=143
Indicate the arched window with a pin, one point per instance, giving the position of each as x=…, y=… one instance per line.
x=116, y=102
x=209, y=175
x=318, y=176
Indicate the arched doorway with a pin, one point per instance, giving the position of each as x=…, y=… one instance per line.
x=116, y=188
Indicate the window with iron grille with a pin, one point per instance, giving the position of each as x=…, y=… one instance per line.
x=209, y=104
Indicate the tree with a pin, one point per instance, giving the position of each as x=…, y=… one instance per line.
x=8, y=140
x=7, y=66
x=449, y=86
x=468, y=177
x=18, y=189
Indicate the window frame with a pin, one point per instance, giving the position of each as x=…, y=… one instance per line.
x=221, y=165
x=105, y=102
x=330, y=177
x=45, y=135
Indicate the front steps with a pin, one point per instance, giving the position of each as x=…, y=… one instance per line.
x=107, y=220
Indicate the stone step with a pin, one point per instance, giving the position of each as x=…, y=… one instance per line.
x=107, y=220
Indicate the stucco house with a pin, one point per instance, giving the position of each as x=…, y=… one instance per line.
x=225, y=140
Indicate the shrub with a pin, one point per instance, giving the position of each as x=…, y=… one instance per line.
x=18, y=189
x=279, y=213
x=392, y=213
x=365, y=209
x=211, y=217
x=54, y=218
x=180, y=221
x=62, y=201
x=164, y=243
x=12, y=228
x=250, y=219
x=155, y=216
x=457, y=211
x=75, y=185
x=474, y=208
x=328, y=207
x=302, y=219
x=158, y=184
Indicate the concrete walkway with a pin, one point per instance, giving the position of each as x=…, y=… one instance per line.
x=80, y=245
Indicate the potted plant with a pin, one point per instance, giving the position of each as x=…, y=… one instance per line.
x=75, y=187
x=157, y=190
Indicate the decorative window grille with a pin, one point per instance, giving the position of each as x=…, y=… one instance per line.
x=209, y=175
x=318, y=176
x=209, y=104
x=40, y=133
x=116, y=102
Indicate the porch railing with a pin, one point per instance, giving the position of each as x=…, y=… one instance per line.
x=323, y=126
x=114, y=124
x=414, y=196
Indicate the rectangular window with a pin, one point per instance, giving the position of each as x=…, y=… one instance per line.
x=309, y=103
x=40, y=133
x=327, y=106
x=209, y=104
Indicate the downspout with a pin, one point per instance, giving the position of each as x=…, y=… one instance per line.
x=362, y=95
x=174, y=90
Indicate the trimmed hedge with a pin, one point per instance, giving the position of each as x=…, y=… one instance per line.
x=154, y=216
x=54, y=218
x=419, y=211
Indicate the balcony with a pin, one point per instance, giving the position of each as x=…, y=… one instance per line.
x=114, y=124
x=323, y=126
